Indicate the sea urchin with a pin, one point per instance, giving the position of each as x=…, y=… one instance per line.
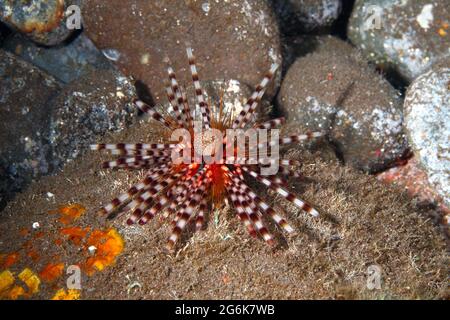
x=202, y=166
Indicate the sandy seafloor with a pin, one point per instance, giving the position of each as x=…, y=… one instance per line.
x=363, y=223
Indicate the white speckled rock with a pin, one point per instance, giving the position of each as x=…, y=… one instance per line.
x=407, y=36
x=427, y=117
x=333, y=89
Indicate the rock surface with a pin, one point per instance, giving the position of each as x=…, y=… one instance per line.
x=231, y=40
x=306, y=15
x=99, y=102
x=407, y=36
x=427, y=118
x=24, y=93
x=43, y=21
x=65, y=63
x=334, y=90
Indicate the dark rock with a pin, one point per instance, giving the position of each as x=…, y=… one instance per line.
x=427, y=118
x=65, y=63
x=306, y=15
x=42, y=21
x=24, y=92
x=334, y=90
x=86, y=109
x=407, y=36
x=231, y=40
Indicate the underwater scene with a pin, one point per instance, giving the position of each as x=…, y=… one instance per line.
x=224, y=150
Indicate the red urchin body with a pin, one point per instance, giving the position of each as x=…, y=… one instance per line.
x=189, y=190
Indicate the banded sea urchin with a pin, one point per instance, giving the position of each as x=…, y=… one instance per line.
x=188, y=188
